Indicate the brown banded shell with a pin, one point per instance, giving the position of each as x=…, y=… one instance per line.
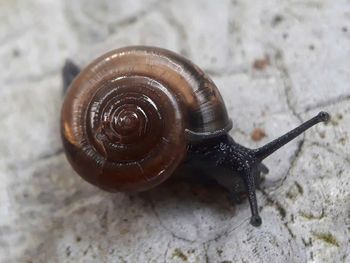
x=128, y=117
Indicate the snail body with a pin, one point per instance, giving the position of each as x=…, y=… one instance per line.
x=132, y=116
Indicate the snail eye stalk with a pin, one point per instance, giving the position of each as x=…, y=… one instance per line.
x=268, y=149
x=69, y=72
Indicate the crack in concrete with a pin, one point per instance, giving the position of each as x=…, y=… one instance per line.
x=280, y=209
x=132, y=19
x=327, y=103
x=205, y=248
x=227, y=73
x=227, y=232
x=179, y=28
x=329, y=150
x=294, y=162
x=216, y=238
x=46, y=156
x=112, y=28
x=288, y=86
x=34, y=78
x=154, y=210
x=274, y=203
x=280, y=65
x=166, y=252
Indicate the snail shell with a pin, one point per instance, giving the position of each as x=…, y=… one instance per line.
x=129, y=116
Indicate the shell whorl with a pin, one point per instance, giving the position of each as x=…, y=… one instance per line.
x=128, y=116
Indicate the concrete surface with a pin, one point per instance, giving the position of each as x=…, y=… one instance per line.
x=276, y=63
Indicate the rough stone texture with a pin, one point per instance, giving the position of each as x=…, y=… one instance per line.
x=276, y=63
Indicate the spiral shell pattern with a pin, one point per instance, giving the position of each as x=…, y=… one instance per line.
x=126, y=117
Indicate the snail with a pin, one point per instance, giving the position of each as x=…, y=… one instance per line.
x=135, y=114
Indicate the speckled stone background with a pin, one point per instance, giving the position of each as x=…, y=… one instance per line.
x=276, y=63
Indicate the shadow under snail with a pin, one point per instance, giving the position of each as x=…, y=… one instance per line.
x=135, y=114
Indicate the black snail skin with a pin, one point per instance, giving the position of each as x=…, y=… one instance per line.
x=135, y=114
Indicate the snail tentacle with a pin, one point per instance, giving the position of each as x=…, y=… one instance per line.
x=69, y=72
